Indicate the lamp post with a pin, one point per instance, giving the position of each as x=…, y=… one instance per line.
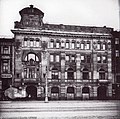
x=44, y=45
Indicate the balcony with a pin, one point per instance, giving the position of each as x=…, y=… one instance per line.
x=30, y=80
x=103, y=81
x=90, y=80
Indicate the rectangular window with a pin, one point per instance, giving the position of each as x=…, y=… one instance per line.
x=82, y=58
x=73, y=45
x=116, y=40
x=5, y=50
x=117, y=53
x=51, y=44
x=62, y=44
x=98, y=46
x=88, y=46
x=25, y=73
x=51, y=58
x=25, y=43
x=57, y=58
x=67, y=58
x=104, y=47
x=98, y=59
x=31, y=43
x=88, y=58
x=104, y=58
x=78, y=45
x=5, y=66
x=57, y=45
x=67, y=44
x=82, y=46
x=37, y=43
x=73, y=58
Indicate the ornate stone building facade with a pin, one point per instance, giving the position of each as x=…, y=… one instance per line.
x=65, y=61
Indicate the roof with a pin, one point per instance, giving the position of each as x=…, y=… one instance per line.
x=31, y=10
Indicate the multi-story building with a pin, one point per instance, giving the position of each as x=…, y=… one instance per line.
x=6, y=63
x=72, y=62
x=116, y=64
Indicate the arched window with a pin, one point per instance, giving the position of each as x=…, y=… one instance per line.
x=70, y=73
x=102, y=74
x=85, y=74
x=54, y=73
x=31, y=57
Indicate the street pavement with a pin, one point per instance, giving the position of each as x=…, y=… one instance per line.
x=60, y=109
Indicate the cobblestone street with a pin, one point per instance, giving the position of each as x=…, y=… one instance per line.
x=60, y=110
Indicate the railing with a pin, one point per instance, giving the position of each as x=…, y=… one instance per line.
x=30, y=80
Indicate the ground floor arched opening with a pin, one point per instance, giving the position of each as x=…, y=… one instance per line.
x=85, y=93
x=70, y=93
x=31, y=92
x=55, y=93
x=102, y=92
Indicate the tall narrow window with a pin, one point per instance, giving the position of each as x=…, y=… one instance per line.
x=51, y=58
x=25, y=73
x=5, y=66
x=57, y=58
x=78, y=45
x=25, y=43
x=57, y=44
x=88, y=45
x=6, y=50
x=104, y=58
x=73, y=45
x=67, y=44
x=98, y=59
x=70, y=74
x=67, y=58
x=117, y=53
x=62, y=44
x=54, y=73
x=99, y=46
x=101, y=74
x=103, y=46
x=88, y=58
x=73, y=57
x=85, y=74
x=51, y=43
x=31, y=43
x=116, y=40
x=82, y=58
x=82, y=45
x=37, y=43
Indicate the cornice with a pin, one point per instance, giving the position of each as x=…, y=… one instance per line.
x=62, y=34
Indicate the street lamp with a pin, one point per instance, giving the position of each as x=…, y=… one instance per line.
x=44, y=45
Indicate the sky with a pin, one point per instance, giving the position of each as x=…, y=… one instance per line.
x=69, y=12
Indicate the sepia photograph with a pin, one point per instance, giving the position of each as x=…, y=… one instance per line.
x=59, y=59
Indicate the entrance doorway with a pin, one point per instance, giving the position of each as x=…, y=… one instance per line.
x=102, y=92
x=32, y=92
x=85, y=93
x=54, y=93
x=70, y=93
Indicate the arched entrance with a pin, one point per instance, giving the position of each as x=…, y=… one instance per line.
x=32, y=92
x=70, y=93
x=85, y=93
x=55, y=93
x=102, y=92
